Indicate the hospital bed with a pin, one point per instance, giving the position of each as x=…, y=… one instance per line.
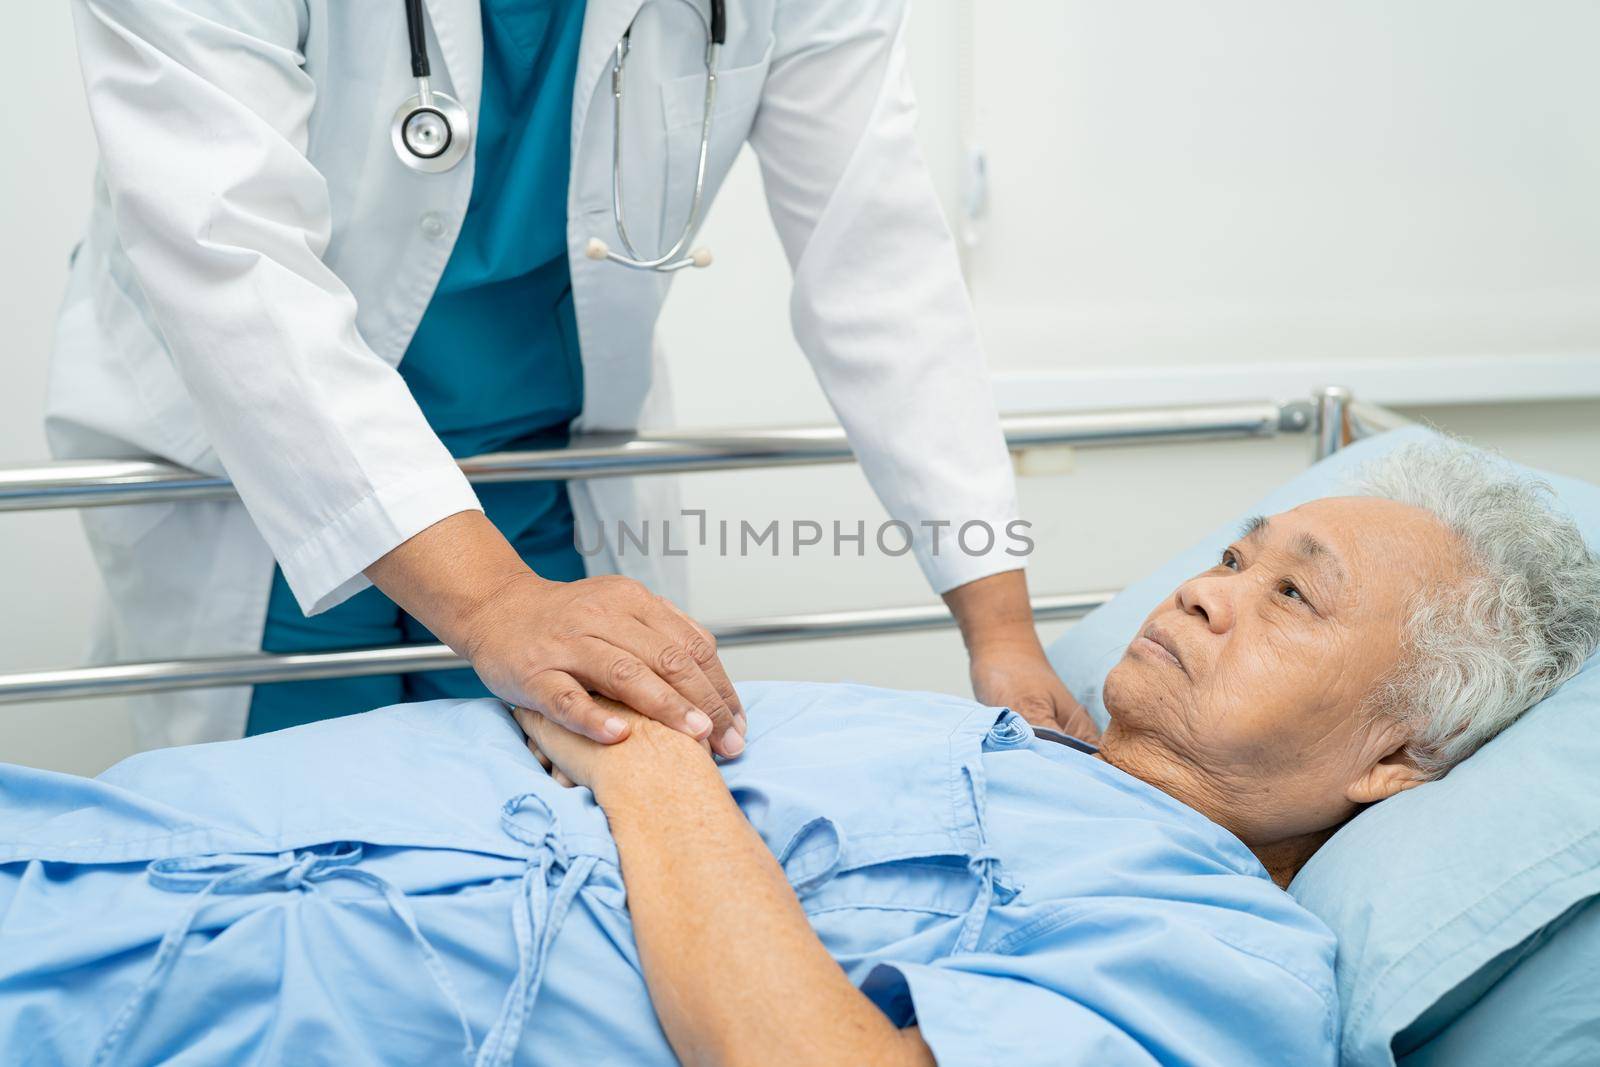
x=1331, y=417
x=1506, y=972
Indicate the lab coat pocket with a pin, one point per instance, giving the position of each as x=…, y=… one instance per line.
x=683, y=98
x=146, y=404
x=683, y=112
x=125, y=525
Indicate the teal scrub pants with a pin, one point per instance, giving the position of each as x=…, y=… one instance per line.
x=536, y=518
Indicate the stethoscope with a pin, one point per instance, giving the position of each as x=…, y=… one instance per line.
x=431, y=133
x=1046, y=734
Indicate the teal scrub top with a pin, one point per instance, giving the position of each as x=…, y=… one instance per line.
x=494, y=363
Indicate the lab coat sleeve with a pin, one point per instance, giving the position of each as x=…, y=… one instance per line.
x=202, y=109
x=878, y=304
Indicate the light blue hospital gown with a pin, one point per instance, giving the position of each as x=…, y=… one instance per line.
x=391, y=888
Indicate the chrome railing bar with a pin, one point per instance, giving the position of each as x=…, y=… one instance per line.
x=119, y=679
x=1330, y=421
x=1369, y=420
x=99, y=483
x=1339, y=420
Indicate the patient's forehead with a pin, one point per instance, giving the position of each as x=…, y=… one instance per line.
x=1382, y=548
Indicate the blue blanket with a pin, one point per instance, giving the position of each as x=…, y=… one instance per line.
x=409, y=886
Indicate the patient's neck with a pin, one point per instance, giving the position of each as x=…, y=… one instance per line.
x=1147, y=759
x=1283, y=859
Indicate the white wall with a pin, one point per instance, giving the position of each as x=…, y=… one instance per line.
x=1263, y=181
x=1288, y=185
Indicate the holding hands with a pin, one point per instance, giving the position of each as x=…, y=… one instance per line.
x=549, y=645
x=572, y=759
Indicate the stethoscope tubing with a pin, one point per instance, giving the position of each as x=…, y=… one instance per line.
x=1044, y=733
x=431, y=132
x=673, y=258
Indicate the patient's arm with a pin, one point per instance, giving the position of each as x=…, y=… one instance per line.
x=736, y=973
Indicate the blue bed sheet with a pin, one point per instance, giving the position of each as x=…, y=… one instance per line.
x=409, y=886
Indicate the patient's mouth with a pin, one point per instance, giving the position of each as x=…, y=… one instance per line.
x=1157, y=642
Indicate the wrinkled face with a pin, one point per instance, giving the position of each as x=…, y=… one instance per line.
x=1252, y=675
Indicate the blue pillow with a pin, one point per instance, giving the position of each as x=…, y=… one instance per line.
x=1436, y=893
x=1543, y=1007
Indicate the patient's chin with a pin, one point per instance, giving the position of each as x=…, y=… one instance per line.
x=1137, y=689
x=1121, y=687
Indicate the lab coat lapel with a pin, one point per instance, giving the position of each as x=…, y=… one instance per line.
x=459, y=31
x=604, y=22
x=616, y=315
x=615, y=306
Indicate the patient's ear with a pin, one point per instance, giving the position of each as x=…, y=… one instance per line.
x=1394, y=771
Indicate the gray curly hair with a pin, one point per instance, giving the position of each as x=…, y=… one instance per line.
x=1522, y=620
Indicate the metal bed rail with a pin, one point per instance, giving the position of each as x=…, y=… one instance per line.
x=1332, y=417
x=100, y=483
x=253, y=668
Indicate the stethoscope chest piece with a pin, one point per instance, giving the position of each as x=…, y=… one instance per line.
x=431, y=131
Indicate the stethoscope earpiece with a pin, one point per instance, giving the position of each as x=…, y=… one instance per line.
x=700, y=257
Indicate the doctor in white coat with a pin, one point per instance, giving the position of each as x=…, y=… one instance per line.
x=267, y=291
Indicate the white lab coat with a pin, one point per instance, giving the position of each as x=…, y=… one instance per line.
x=257, y=260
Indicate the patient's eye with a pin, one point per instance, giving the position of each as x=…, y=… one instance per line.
x=1290, y=590
x=1230, y=559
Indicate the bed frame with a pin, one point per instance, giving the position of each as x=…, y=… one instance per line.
x=1332, y=417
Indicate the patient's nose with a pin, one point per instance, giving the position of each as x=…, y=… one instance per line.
x=1207, y=597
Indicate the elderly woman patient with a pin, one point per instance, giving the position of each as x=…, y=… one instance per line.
x=882, y=878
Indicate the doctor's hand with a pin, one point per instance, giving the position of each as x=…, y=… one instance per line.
x=1023, y=680
x=550, y=645
x=1008, y=664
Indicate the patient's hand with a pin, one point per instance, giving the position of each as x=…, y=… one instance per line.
x=573, y=759
x=734, y=969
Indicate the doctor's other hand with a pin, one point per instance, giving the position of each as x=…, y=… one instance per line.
x=1008, y=664
x=550, y=645
x=1023, y=680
